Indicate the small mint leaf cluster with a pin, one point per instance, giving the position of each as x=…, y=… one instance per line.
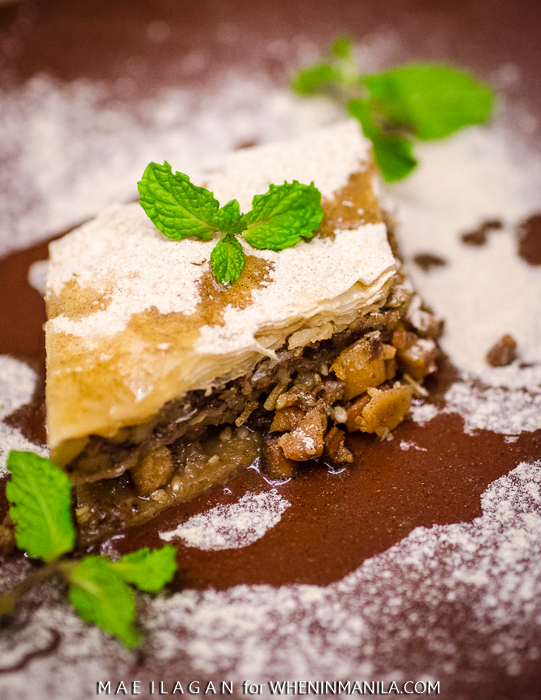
x=277, y=220
x=421, y=100
x=100, y=590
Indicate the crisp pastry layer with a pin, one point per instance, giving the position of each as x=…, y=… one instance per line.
x=136, y=319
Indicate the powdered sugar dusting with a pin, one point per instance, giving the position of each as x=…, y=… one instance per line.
x=313, y=282
x=479, y=174
x=37, y=275
x=474, y=572
x=327, y=158
x=12, y=439
x=48, y=130
x=402, y=614
x=17, y=384
x=122, y=249
x=482, y=292
x=498, y=409
x=405, y=445
x=232, y=526
x=423, y=413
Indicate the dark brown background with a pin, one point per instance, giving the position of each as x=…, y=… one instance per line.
x=106, y=39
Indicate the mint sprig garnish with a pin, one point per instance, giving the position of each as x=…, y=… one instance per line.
x=435, y=100
x=418, y=100
x=147, y=569
x=278, y=219
x=227, y=260
x=99, y=589
x=175, y=205
x=99, y=595
x=228, y=219
x=281, y=217
x=392, y=152
x=41, y=494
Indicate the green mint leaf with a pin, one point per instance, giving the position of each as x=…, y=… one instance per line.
x=41, y=496
x=177, y=207
x=281, y=216
x=227, y=260
x=228, y=219
x=148, y=570
x=99, y=595
x=315, y=78
x=342, y=47
x=393, y=154
x=432, y=99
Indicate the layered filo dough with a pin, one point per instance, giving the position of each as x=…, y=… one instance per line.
x=145, y=350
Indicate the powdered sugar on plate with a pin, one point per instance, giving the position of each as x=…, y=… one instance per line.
x=231, y=526
x=402, y=614
x=17, y=384
x=386, y=615
x=483, y=292
x=495, y=408
x=70, y=149
x=423, y=413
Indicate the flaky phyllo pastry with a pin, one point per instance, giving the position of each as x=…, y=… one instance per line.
x=166, y=382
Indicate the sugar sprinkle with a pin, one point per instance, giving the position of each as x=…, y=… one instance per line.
x=402, y=614
x=232, y=526
x=17, y=384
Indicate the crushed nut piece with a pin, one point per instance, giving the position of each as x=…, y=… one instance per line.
x=415, y=356
x=306, y=440
x=226, y=434
x=270, y=403
x=479, y=236
x=503, y=352
x=384, y=410
x=418, y=389
x=362, y=365
x=286, y=419
x=354, y=412
x=340, y=414
x=426, y=261
x=334, y=446
x=273, y=461
x=152, y=471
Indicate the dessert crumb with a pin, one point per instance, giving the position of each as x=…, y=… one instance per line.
x=528, y=234
x=479, y=236
x=503, y=353
x=427, y=261
x=248, y=143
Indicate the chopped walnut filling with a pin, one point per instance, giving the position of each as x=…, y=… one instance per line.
x=305, y=413
x=154, y=470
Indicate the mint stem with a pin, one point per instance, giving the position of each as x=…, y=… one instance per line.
x=9, y=599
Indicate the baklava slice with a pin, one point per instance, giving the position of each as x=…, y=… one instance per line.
x=161, y=382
